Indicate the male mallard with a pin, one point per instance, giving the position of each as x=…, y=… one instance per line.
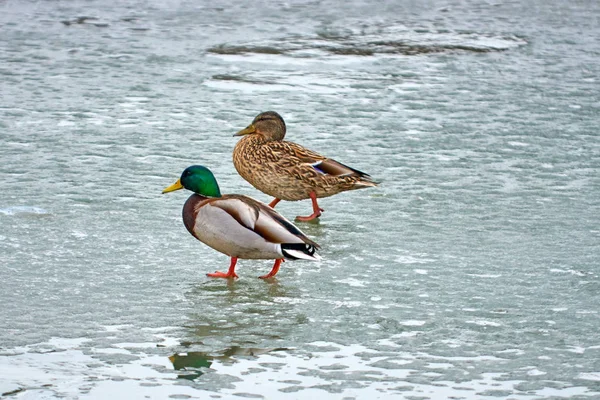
x=287, y=170
x=238, y=225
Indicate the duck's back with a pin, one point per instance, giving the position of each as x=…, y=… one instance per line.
x=289, y=171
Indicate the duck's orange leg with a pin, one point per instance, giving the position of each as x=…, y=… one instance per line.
x=274, y=202
x=274, y=270
x=230, y=273
x=316, y=209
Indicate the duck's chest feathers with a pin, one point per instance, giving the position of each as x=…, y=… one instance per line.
x=190, y=211
x=247, y=153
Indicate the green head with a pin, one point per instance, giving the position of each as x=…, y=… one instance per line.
x=199, y=180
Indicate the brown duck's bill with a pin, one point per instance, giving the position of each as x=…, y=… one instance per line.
x=176, y=186
x=246, y=131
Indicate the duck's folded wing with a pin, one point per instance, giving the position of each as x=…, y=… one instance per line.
x=296, y=155
x=291, y=152
x=229, y=225
x=244, y=213
x=273, y=227
x=332, y=167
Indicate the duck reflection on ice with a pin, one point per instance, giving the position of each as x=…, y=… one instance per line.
x=195, y=363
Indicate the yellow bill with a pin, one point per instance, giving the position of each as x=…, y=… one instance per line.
x=246, y=131
x=176, y=186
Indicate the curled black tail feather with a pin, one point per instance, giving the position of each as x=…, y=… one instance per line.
x=296, y=251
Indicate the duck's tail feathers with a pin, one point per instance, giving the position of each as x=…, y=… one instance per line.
x=331, y=167
x=365, y=182
x=300, y=251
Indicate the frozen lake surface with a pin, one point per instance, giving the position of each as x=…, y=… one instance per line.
x=471, y=272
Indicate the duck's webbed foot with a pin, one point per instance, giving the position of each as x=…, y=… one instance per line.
x=230, y=274
x=316, y=209
x=274, y=270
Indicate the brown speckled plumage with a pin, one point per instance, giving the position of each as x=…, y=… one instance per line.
x=287, y=170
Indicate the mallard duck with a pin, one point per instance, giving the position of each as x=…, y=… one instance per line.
x=238, y=225
x=288, y=171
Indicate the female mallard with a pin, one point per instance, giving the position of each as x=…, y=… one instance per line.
x=237, y=225
x=287, y=170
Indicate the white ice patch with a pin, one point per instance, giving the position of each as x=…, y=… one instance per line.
x=352, y=282
x=412, y=322
x=408, y=259
x=349, y=304
x=590, y=376
x=482, y=322
x=71, y=374
x=16, y=210
x=535, y=372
